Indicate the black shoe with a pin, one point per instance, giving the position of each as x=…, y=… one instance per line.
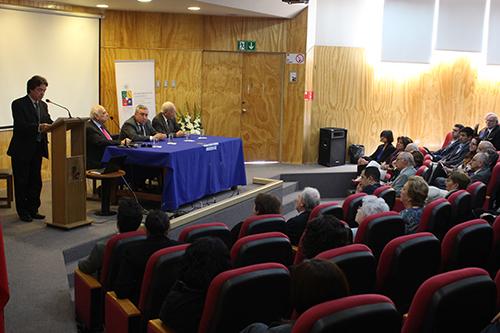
x=25, y=218
x=37, y=216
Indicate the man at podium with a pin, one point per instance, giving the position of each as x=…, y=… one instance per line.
x=27, y=147
x=98, y=137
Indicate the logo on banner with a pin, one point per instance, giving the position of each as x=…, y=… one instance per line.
x=127, y=98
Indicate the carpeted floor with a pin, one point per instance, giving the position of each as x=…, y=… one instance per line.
x=40, y=259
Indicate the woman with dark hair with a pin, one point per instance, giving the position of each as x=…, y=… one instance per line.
x=183, y=306
x=312, y=282
x=382, y=153
x=401, y=143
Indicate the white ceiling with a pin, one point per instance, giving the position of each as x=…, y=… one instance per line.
x=262, y=8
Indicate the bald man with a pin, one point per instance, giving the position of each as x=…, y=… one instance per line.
x=164, y=122
x=98, y=136
x=491, y=132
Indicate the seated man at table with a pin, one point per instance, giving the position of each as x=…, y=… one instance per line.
x=165, y=122
x=139, y=128
x=98, y=137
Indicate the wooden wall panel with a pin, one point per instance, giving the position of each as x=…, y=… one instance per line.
x=270, y=34
x=221, y=99
x=151, y=30
x=221, y=33
x=292, y=138
x=349, y=94
x=182, y=66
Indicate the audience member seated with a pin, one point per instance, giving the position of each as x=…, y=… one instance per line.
x=383, y=152
x=312, y=282
x=165, y=122
x=135, y=256
x=418, y=157
x=139, y=128
x=98, y=137
x=324, y=233
x=491, y=132
x=413, y=196
x=465, y=165
x=488, y=148
x=263, y=204
x=411, y=147
x=129, y=218
x=304, y=204
x=401, y=144
x=457, y=180
x=204, y=259
x=369, y=181
x=479, y=168
x=439, y=154
x=371, y=205
x=406, y=166
x=456, y=156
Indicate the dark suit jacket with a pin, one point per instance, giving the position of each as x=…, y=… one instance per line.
x=386, y=155
x=161, y=126
x=23, y=143
x=493, y=137
x=482, y=175
x=295, y=227
x=133, y=264
x=131, y=130
x=96, y=144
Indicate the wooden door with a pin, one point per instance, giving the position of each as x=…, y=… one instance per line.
x=242, y=97
x=261, y=106
x=221, y=93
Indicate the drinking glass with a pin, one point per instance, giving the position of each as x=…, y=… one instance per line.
x=187, y=133
x=170, y=137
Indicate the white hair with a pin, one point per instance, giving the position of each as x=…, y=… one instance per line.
x=373, y=205
x=96, y=110
x=411, y=147
x=310, y=197
x=408, y=157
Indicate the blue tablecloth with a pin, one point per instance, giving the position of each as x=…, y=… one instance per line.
x=194, y=169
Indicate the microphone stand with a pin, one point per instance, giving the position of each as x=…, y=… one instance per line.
x=62, y=107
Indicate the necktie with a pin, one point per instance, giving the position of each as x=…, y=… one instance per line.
x=37, y=109
x=141, y=127
x=106, y=134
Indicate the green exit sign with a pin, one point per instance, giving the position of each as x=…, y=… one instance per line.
x=247, y=45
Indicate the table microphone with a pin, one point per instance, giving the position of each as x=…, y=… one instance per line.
x=62, y=107
x=114, y=121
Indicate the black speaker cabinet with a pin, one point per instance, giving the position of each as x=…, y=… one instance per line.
x=332, y=146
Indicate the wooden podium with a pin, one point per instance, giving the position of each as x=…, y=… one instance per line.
x=69, y=187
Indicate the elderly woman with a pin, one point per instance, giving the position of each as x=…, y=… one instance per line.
x=304, y=204
x=371, y=205
x=457, y=180
x=413, y=196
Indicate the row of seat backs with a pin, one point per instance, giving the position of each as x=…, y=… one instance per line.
x=457, y=301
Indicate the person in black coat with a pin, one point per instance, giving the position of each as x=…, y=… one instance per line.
x=383, y=152
x=139, y=128
x=165, y=122
x=183, y=306
x=135, y=256
x=304, y=204
x=27, y=147
x=98, y=136
x=491, y=132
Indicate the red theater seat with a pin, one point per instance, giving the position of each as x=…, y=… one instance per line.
x=467, y=244
x=460, y=206
x=327, y=208
x=350, y=208
x=256, y=224
x=477, y=191
x=89, y=292
x=387, y=193
x=242, y=296
x=214, y=229
x=377, y=230
x=458, y=301
x=358, y=264
x=493, y=184
x=405, y=263
x=353, y=314
x=261, y=248
x=436, y=218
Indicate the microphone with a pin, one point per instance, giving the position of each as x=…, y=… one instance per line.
x=114, y=121
x=62, y=107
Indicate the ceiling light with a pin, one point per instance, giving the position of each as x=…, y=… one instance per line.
x=194, y=8
x=102, y=5
x=144, y=0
